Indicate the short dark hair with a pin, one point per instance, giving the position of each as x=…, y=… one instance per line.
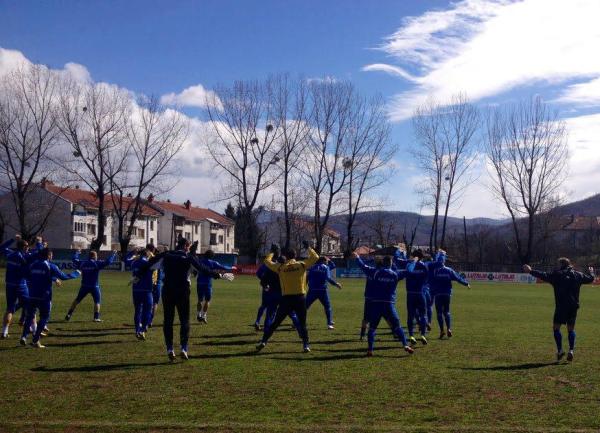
x=417, y=253
x=280, y=259
x=564, y=262
x=291, y=253
x=22, y=244
x=209, y=254
x=387, y=261
x=45, y=253
x=150, y=247
x=182, y=243
x=322, y=259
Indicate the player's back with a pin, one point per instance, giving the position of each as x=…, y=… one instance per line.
x=90, y=273
x=16, y=269
x=383, y=286
x=317, y=277
x=40, y=279
x=416, y=277
x=176, y=267
x=144, y=277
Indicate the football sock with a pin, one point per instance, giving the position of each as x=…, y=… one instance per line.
x=558, y=340
x=572, y=336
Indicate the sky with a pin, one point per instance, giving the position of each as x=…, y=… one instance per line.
x=494, y=51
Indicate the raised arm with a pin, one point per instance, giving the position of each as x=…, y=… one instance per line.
x=57, y=274
x=202, y=268
x=268, y=262
x=312, y=258
x=130, y=257
x=368, y=270
x=589, y=276
x=544, y=276
x=108, y=261
x=76, y=259
x=4, y=247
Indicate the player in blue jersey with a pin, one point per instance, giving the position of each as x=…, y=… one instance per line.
x=204, y=284
x=440, y=281
x=90, y=284
x=42, y=274
x=416, y=305
x=381, y=302
x=318, y=277
x=17, y=272
x=142, y=285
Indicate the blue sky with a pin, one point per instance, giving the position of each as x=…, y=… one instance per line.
x=493, y=50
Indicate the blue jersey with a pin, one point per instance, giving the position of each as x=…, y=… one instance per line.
x=142, y=275
x=416, y=277
x=90, y=269
x=318, y=276
x=384, y=281
x=17, y=266
x=441, y=281
x=42, y=274
x=206, y=279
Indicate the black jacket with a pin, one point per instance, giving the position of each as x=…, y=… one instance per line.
x=566, y=283
x=176, y=267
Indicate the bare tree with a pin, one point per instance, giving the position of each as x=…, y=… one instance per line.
x=324, y=167
x=446, y=137
x=28, y=141
x=527, y=149
x=155, y=137
x=367, y=160
x=291, y=110
x=244, y=146
x=93, y=121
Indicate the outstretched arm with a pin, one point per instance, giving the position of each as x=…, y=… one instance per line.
x=544, y=276
x=57, y=274
x=108, y=261
x=589, y=276
x=219, y=266
x=76, y=259
x=130, y=257
x=368, y=270
x=455, y=276
x=202, y=268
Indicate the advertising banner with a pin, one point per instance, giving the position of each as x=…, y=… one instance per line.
x=500, y=277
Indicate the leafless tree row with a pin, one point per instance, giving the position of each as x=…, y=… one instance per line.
x=53, y=128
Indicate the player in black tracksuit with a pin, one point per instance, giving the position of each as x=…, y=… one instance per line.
x=176, y=267
x=566, y=282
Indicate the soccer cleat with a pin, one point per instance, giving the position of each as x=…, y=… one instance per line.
x=369, y=353
x=260, y=346
x=67, y=317
x=330, y=327
x=412, y=340
x=428, y=327
x=171, y=355
x=570, y=356
x=184, y=355
x=4, y=336
x=306, y=349
x=409, y=350
x=37, y=345
x=23, y=341
x=560, y=355
x=449, y=333
x=423, y=339
x=257, y=327
x=442, y=335
x=199, y=317
x=203, y=319
x=97, y=320
x=141, y=336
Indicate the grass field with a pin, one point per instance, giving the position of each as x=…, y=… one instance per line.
x=496, y=374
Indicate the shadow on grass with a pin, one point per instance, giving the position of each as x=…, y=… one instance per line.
x=92, y=368
x=248, y=354
x=88, y=343
x=526, y=366
x=246, y=334
x=123, y=328
x=95, y=335
x=230, y=343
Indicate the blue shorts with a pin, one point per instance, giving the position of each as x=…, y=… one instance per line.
x=16, y=298
x=382, y=310
x=94, y=291
x=156, y=292
x=204, y=293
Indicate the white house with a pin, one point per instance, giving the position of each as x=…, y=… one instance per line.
x=211, y=229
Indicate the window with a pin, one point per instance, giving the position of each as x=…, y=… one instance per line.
x=151, y=225
x=196, y=228
x=79, y=227
x=220, y=239
x=91, y=229
x=188, y=236
x=227, y=246
x=141, y=233
x=104, y=240
x=152, y=241
x=213, y=239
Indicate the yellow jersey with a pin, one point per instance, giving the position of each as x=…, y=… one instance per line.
x=292, y=274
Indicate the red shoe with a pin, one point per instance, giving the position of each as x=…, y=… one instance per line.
x=409, y=350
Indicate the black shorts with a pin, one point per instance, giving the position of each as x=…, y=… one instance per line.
x=565, y=316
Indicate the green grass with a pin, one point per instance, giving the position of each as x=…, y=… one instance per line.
x=496, y=374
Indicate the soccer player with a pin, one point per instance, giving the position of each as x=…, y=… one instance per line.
x=156, y=293
x=177, y=266
x=318, y=276
x=381, y=302
x=142, y=286
x=292, y=276
x=566, y=283
x=17, y=271
x=271, y=292
x=416, y=277
x=42, y=274
x=440, y=281
x=204, y=284
x=90, y=285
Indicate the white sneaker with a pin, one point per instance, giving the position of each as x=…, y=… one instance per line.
x=98, y=320
x=171, y=355
x=184, y=355
x=330, y=327
x=38, y=345
x=23, y=341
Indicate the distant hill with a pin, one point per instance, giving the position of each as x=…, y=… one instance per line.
x=587, y=207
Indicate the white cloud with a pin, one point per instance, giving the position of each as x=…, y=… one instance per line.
x=193, y=96
x=78, y=72
x=484, y=48
x=586, y=94
x=11, y=60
